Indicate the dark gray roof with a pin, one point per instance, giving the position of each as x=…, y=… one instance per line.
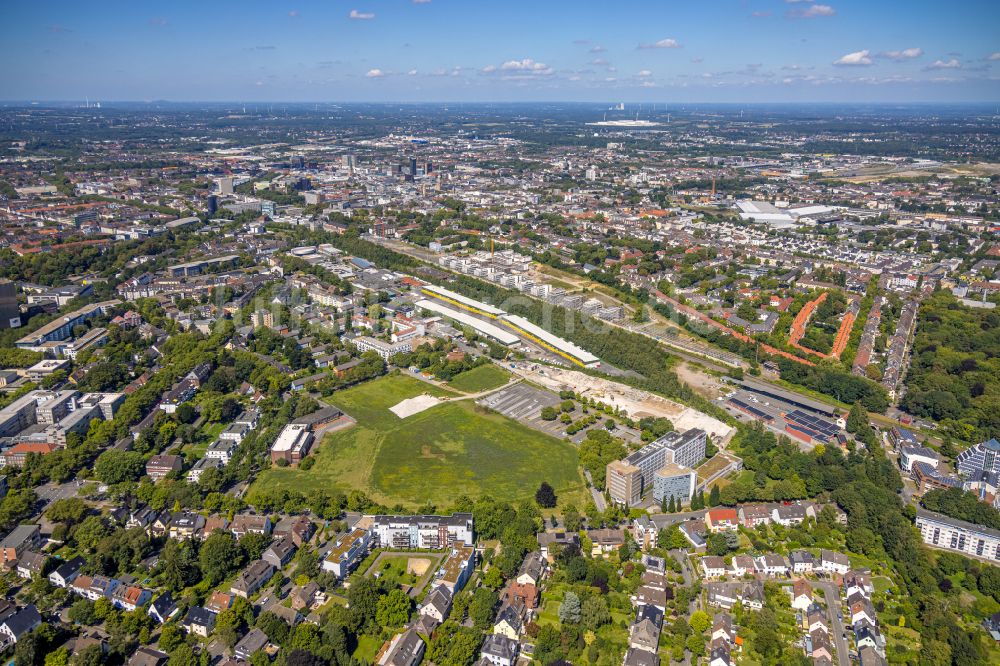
x=199, y=615
x=253, y=641
x=498, y=645
x=23, y=620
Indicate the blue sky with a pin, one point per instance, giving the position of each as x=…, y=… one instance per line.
x=481, y=50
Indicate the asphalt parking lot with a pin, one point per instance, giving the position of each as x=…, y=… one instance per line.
x=524, y=403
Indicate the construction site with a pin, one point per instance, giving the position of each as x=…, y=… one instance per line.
x=634, y=402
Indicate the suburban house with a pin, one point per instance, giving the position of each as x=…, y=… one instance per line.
x=721, y=520
x=304, y=596
x=199, y=621
x=713, y=566
x=772, y=564
x=280, y=552
x=437, y=605
x=67, y=572
x=405, y=649
x=605, y=541
x=186, y=525
x=532, y=569
x=743, y=565
x=163, y=608
x=31, y=564
x=499, y=650
x=16, y=625
x=219, y=601
x=299, y=528
x=558, y=539
x=254, y=640
x=509, y=621
x=147, y=656
x=802, y=561
x=245, y=523
x=801, y=595
x=252, y=578
x=833, y=562
x=93, y=587
x=644, y=634
x=752, y=515
x=634, y=657
x=789, y=514
x=130, y=597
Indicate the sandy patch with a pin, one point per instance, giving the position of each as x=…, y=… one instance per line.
x=418, y=565
x=635, y=402
x=703, y=383
x=412, y=406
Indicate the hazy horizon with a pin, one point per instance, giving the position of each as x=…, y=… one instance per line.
x=409, y=51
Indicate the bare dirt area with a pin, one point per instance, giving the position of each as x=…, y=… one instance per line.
x=418, y=565
x=636, y=403
x=702, y=382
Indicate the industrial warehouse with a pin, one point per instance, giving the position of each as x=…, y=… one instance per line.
x=521, y=326
x=805, y=420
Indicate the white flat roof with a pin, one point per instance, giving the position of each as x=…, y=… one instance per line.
x=290, y=437
x=464, y=300
x=486, y=328
x=555, y=341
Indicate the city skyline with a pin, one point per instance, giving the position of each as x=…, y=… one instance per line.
x=437, y=50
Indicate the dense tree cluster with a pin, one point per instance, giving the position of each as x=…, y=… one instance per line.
x=962, y=505
x=954, y=376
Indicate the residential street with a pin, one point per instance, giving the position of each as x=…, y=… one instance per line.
x=832, y=593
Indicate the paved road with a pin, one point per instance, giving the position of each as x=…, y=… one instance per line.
x=597, y=494
x=832, y=593
x=50, y=492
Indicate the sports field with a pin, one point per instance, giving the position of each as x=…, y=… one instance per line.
x=436, y=455
x=482, y=378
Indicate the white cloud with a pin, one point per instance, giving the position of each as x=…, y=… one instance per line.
x=856, y=59
x=489, y=69
x=668, y=43
x=994, y=56
x=375, y=74
x=525, y=65
x=905, y=54
x=355, y=15
x=597, y=49
x=599, y=62
x=812, y=11
x=421, y=2
x=413, y=72
x=644, y=73
x=945, y=64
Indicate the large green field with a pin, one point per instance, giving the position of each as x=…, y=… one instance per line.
x=434, y=456
x=482, y=378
